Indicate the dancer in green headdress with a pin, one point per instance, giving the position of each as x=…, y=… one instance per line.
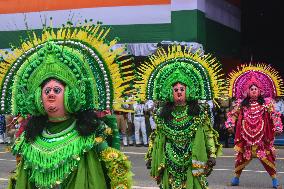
x=67, y=80
x=184, y=147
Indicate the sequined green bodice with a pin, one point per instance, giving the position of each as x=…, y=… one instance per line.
x=52, y=156
x=181, y=128
x=180, y=132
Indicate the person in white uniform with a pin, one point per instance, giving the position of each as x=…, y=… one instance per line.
x=139, y=123
x=150, y=106
x=279, y=105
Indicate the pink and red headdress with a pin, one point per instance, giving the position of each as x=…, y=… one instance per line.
x=266, y=78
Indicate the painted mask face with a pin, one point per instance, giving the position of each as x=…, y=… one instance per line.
x=52, y=95
x=254, y=91
x=179, y=93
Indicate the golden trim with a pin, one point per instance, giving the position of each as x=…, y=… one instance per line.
x=238, y=149
x=242, y=166
x=269, y=163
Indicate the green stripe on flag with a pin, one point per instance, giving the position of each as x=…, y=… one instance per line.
x=142, y=33
x=139, y=33
x=188, y=25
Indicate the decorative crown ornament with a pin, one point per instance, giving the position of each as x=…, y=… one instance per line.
x=201, y=74
x=266, y=78
x=79, y=56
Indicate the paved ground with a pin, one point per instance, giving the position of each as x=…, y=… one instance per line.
x=254, y=176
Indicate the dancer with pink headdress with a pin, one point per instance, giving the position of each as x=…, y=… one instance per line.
x=254, y=119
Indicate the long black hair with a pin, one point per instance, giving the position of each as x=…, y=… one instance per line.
x=87, y=121
x=168, y=107
x=246, y=101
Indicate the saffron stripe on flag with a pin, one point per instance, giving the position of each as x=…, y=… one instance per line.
x=148, y=14
x=24, y=6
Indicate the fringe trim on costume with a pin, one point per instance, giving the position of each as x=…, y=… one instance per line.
x=51, y=163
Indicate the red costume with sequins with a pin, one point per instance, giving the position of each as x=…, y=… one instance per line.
x=255, y=133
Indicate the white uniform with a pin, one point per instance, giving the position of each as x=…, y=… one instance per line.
x=139, y=123
x=149, y=105
x=279, y=106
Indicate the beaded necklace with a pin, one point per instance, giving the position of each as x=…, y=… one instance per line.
x=58, y=119
x=53, y=156
x=46, y=133
x=253, y=123
x=179, y=132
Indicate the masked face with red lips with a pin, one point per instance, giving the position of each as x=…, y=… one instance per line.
x=254, y=92
x=179, y=94
x=53, y=99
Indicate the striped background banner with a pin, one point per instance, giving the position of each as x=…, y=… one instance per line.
x=133, y=21
x=121, y=12
x=24, y=6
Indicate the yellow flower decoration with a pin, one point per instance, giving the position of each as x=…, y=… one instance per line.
x=99, y=139
x=108, y=131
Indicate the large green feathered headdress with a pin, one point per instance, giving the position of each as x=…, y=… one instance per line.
x=80, y=57
x=201, y=74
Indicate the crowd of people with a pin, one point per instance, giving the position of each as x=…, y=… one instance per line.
x=139, y=124
x=136, y=126
x=9, y=126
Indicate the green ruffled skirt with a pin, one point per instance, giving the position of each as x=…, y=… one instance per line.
x=88, y=175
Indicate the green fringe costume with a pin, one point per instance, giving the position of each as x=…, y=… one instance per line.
x=66, y=159
x=180, y=148
x=60, y=157
x=179, y=151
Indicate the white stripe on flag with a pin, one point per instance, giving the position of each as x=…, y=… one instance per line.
x=177, y=5
x=123, y=15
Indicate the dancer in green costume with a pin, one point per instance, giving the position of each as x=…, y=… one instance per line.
x=184, y=147
x=67, y=80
